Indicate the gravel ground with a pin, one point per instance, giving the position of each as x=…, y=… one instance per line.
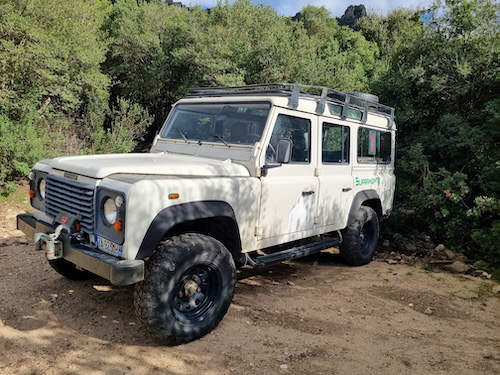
x=314, y=316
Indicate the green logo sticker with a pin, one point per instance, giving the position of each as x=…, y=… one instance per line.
x=366, y=181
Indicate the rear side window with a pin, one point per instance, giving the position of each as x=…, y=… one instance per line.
x=298, y=130
x=374, y=146
x=335, y=143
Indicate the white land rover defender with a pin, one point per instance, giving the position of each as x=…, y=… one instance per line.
x=283, y=168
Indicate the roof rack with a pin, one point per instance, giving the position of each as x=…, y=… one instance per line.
x=294, y=91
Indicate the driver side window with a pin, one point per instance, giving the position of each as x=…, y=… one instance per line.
x=298, y=130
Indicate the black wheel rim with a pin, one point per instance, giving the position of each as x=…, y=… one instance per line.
x=195, y=295
x=367, y=236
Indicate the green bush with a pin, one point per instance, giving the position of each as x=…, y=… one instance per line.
x=21, y=146
x=128, y=125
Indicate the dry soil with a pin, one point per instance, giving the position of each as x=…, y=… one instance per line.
x=314, y=316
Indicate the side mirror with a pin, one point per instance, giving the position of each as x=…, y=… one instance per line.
x=284, y=151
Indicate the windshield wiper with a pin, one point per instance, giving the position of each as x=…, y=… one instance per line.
x=220, y=138
x=182, y=133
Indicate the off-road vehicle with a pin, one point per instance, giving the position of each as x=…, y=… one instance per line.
x=283, y=170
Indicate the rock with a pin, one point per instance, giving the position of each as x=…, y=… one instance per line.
x=386, y=244
x=428, y=245
x=462, y=258
x=487, y=354
x=284, y=367
x=428, y=311
x=23, y=241
x=440, y=248
x=411, y=247
x=481, y=273
x=410, y=305
x=391, y=261
x=457, y=267
x=449, y=254
x=496, y=289
x=103, y=288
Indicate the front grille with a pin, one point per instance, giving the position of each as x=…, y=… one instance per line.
x=70, y=197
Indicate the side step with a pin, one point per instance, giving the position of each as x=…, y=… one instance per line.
x=292, y=253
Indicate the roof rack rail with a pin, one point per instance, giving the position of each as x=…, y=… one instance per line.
x=294, y=91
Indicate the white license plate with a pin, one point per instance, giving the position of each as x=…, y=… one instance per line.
x=108, y=246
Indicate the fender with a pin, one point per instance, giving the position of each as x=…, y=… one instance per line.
x=173, y=215
x=358, y=200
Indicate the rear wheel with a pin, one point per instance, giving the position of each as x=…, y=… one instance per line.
x=188, y=287
x=69, y=270
x=360, y=237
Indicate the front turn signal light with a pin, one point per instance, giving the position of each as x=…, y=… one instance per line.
x=118, y=225
x=32, y=193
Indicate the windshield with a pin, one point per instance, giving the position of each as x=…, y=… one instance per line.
x=226, y=123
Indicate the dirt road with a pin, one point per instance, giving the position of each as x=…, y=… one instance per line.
x=315, y=316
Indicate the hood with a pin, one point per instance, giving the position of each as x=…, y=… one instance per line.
x=100, y=166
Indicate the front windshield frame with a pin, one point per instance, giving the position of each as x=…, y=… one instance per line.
x=172, y=133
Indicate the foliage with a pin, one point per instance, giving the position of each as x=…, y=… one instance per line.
x=21, y=146
x=443, y=81
x=129, y=124
x=50, y=56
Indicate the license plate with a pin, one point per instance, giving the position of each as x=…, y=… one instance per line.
x=108, y=246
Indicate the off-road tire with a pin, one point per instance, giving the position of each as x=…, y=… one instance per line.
x=69, y=270
x=360, y=238
x=156, y=299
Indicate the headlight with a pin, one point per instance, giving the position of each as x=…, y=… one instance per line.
x=41, y=188
x=110, y=211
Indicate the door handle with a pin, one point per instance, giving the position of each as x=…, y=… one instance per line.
x=346, y=189
x=305, y=193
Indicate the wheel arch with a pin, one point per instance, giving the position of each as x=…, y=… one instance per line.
x=368, y=198
x=212, y=218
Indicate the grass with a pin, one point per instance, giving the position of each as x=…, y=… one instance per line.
x=484, y=290
x=19, y=198
x=427, y=268
x=406, y=362
x=462, y=278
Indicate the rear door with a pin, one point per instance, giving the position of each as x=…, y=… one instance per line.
x=289, y=192
x=334, y=173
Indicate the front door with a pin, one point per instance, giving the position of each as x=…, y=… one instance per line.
x=289, y=191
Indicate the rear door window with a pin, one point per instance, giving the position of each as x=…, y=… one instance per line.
x=374, y=146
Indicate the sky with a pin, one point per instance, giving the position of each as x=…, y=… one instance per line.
x=336, y=7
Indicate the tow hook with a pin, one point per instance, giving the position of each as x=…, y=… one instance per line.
x=50, y=244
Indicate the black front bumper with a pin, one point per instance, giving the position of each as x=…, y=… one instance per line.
x=117, y=271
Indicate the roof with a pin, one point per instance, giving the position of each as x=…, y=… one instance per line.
x=314, y=99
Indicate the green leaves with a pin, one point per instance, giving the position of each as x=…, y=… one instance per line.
x=443, y=84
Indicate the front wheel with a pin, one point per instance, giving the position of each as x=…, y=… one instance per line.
x=188, y=287
x=360, y=238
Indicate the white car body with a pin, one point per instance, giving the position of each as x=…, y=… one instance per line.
x=282, y=204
